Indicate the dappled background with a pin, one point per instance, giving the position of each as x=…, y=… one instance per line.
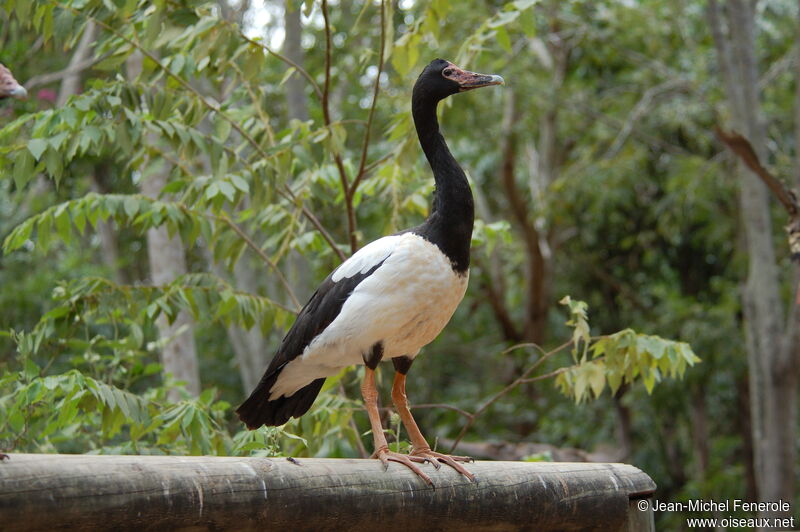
x=185, y=173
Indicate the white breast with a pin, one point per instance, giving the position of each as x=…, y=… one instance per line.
x=404, y=304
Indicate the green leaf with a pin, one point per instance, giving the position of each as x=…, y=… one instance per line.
x=503, y=39
x=44, y=228
x=63, y=224
x=502, y=18
x=37, y=147
x=31, y=369
x=286, y=75
x=79, y=218
x=580, y=384
x=240, y=183
x=23, y=168
x=227, y=190
x=54, y=164
x=597, y=377
x=131, y=205
x=524, y=4
x=649, y=379
x=222, y=128
x=212, y=191
x=18, y=236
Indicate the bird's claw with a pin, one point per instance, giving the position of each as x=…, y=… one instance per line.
x=386, y=456
x=453, y=461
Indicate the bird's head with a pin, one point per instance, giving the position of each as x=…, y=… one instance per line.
x=9, y=87
x=442, y=78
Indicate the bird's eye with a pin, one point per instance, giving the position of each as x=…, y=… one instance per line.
x=447, y=71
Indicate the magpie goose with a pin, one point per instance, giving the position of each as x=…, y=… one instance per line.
x=389, y=299
x=9, y=87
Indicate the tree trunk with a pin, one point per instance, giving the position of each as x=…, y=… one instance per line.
x=293, y=49
x=71, y=83
x=772, y=387
x=167, y=262
x=109, y=247
x=698, y=412
x=249, y=346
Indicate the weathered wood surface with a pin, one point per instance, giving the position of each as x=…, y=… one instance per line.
x=45, y=492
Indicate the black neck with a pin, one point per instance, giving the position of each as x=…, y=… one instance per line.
x=449, y=225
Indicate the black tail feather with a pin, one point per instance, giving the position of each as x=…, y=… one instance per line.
x=259, y=410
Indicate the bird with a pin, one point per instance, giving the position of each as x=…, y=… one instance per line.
x=10, y=87
x=388, y=300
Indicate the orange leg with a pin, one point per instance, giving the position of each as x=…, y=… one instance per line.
x=370, y=394
x=420, y=446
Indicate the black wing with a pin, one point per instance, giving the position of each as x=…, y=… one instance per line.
x=316, y=315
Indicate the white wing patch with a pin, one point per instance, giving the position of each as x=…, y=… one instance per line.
x=404, y=304
x=366, y=258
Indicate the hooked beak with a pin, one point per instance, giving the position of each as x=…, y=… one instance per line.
x=470, y=80
x=18, y=92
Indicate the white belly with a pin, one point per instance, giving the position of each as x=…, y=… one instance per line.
x=404, y=304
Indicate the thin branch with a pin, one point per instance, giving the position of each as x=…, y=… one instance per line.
x=316, y=223
x=778, y=67
x=622, y=289
x=544, y=376
x=164, y=288
x=262, y=115
x=50, y=77
x=284, y=192
x=584, y=109
x=326, y=115
x=362, y=450
x=519, y=380
x=328, y=45
x=556, y=372
x=443, y=406
x=283, y=58
x=493, y=280
x=182, y=82
x=641, y=108
x=376, y=163
x=71, y=84
x=425, y=406
x=500, y=311
x=535, y=243
x=238, y=230
x=516, y=200
x=323, y=97
x=744, y=150
x=375, y=92
x=214, y=107
x=250, y=243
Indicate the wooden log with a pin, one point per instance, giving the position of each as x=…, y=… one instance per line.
x=90, y=492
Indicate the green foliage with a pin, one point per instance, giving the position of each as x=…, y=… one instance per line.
x=545, y=456
x=74, y=412
x=625, y=188
x=618, y=358
x=622, y=357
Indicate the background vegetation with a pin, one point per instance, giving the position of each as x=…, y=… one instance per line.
x=186, y=172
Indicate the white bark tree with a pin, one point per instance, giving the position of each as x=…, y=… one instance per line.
x=167, y=260
x=293, y=49
x=771, y=345
x=251, y=347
